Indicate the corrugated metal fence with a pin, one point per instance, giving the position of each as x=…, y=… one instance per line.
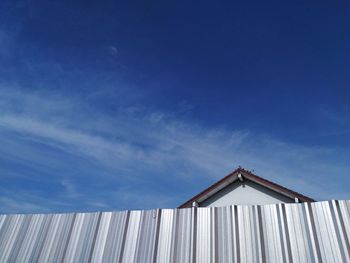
x=308, y=232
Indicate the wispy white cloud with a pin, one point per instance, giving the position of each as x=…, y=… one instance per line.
x=27, y=202
x=14, y=205
x=134, y=146
x=113, y=51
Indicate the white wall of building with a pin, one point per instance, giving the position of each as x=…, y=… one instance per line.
x=245, y=193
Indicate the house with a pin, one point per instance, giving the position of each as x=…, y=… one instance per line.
x=242, y=187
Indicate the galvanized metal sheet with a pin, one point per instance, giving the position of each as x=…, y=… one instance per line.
x=307, y=232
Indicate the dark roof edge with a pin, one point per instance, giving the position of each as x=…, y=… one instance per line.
x=249, y=175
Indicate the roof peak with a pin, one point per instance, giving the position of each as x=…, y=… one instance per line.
x=238, y=174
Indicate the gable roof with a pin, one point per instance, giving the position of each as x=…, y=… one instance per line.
x=238, y=174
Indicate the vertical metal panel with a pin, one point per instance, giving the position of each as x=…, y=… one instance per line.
x=225, y=236
x=114, y=240
x=344, y=218
x=271, y=228
x=244, y=233
x=57, y=238
x=42, y=230
x=326, y=233
x=101, y=237
x=295, y=237
x=82, y=237
x=147, y=235
x=315, y=232
x=165, y=236
x=30, y=238
x=205, y=239
x=11, y=231
x=132, y=237
x=182, y=236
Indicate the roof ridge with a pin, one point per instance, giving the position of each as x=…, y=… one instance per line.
x=260, y=180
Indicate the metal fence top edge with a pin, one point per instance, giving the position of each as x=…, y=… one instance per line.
x=164, y=209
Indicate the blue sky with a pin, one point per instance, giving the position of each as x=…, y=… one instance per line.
x=107, y=105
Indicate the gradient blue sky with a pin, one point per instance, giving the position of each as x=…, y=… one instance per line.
x=108, y=105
